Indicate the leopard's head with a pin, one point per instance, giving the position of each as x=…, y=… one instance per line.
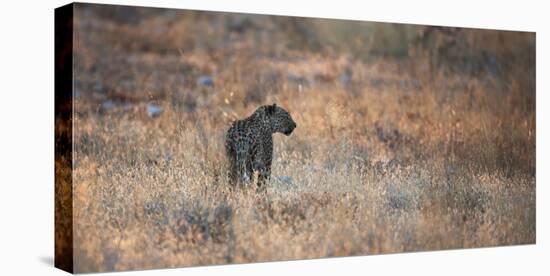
x=279, y=119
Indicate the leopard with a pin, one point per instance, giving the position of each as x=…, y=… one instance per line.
x=249, y=144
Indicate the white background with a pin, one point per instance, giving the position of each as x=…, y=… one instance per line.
x=27, y=139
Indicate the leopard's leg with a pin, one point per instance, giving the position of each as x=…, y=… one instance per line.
x=263, y=177
x=242, y=165
x=263, y=166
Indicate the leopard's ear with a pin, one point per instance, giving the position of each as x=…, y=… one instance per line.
x=271, y=109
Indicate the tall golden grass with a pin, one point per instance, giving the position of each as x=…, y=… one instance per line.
x=390, y=154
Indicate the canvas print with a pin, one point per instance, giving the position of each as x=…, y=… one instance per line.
x=190, y=138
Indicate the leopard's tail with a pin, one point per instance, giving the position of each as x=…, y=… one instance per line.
x=231, y=157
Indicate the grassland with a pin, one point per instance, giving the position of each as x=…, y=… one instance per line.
x=403, y=142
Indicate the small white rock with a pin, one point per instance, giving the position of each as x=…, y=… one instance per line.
x=153, y=110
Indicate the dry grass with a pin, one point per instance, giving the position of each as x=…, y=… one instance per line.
x=396, y=158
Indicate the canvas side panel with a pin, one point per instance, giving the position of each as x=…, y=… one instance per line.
x=63, y=137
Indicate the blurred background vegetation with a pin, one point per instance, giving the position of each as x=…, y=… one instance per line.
x=471, y=51
x=206, y=44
